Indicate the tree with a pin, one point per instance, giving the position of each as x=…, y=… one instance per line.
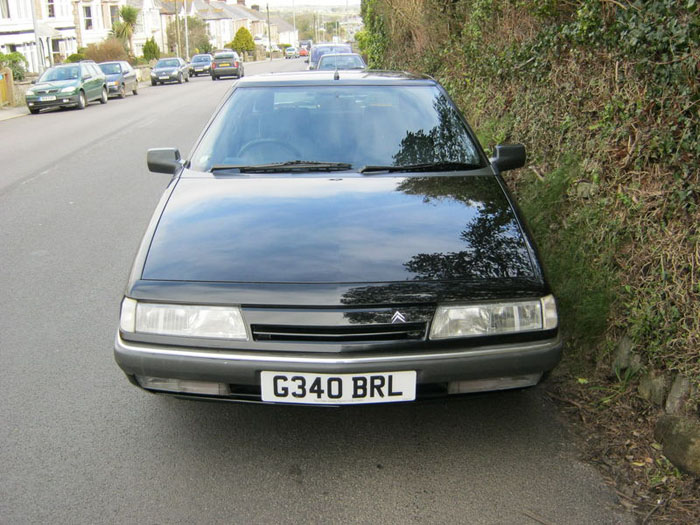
x=124, y=29
x=243, y=41
x=197, y=32
x=16, y=62
x=151, y=51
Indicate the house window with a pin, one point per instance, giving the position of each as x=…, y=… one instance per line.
x=4, y=9
x=114, y=14
x=87, y=14
x=52, y=8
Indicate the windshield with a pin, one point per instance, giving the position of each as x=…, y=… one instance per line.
x=201, y=58
x=111, y=69
x=318, y=52
x=358, y=125
x=223, y=55
x=168, y=62
x=341, y=62
x=60, y=73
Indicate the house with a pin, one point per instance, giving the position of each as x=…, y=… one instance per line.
x=286, y=33
x=55, y=38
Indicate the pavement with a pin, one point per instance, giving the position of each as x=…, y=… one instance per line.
x=8, y=113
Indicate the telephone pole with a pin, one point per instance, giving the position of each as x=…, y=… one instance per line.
x=269, y=35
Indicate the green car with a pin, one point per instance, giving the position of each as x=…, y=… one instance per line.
x=68, y=85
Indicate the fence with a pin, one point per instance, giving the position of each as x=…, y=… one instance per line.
x=6, y=87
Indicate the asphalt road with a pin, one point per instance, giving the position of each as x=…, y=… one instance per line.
x=79, y=444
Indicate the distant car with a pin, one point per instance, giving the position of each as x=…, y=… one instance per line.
x=200, y=65
x=303, y=52
x=121, y=78
x=68, y=85
x=341, y=61
x=319, y=50
x=291, y=52
x=380, y=260
x=170, y=70
x=226, y=64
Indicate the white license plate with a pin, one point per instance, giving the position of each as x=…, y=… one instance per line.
x=338, y=389
x=47, y=98
x=199, y=69
x=164, y=76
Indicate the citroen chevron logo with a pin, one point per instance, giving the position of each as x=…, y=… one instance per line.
x=397, y=317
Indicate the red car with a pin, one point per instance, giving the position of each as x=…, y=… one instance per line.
x=303, y=52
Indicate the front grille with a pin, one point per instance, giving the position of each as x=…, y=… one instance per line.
x=339, y=334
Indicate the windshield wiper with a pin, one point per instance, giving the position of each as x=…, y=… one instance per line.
x=429, y=166
x=281, y=167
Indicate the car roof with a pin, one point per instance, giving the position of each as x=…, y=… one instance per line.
x=327, y=78
x=340, y=55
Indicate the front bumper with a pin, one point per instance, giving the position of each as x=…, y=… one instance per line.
x=168, y=77
x=244, y=367
x=62, y=99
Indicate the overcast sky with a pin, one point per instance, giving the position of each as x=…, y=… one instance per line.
x=299, y=3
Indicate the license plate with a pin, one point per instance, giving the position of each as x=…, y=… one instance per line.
x=199, y=69
x=224, y=65
x=165, y=76
x=47, y=98
x=338, y=389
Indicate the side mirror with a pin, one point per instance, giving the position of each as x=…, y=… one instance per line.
x=508, y=156
x=307, y=60
x=164, y=160
x=33, y=81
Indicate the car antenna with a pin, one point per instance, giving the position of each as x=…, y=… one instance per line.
x=336, y=76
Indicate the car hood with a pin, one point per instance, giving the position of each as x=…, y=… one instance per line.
x=355, y=229
x=55, y=84
x=164, y=69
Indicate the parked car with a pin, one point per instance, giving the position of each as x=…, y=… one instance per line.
x=121, y=78
x=303, y=52
x=333, y=61
x=380, y=260
x=318, y=50
x=291, y=52
x=68, y=85
x=200, y=65
x=226, y=64
x=170, y=70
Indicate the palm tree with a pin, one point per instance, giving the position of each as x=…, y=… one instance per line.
x=124, y=28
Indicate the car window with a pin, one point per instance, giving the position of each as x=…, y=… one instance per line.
x=110, y=69
x=60, y=73
x=368, y=125
x=168, y=62
x=341, y=62
x=318, y=52
x=201, y=58
x=219, y=56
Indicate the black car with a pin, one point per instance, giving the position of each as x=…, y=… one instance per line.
x=170, y=70
x=121, y=78
x=226, y=64
x=381, y=259
x=200, y=65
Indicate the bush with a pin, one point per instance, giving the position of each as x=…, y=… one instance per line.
x=151, y=51
x=109, y=49
x=243, y=41
x=76, y=57
x=16, y=62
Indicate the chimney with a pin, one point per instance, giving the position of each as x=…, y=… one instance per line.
x=255, y=7
x=241, y=2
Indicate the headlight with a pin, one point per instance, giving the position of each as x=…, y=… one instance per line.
x=494, y=318
x=220, y=322
x=153, y=74
x=113, y=83
x=68, y=89
x=29, y=92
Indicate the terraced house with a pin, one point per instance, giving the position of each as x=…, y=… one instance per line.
x=64, y=26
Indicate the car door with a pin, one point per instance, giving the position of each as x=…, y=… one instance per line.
x=100, y=79
x=129, y=76
x=88, y=81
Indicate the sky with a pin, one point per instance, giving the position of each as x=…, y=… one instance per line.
x=299, y=3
